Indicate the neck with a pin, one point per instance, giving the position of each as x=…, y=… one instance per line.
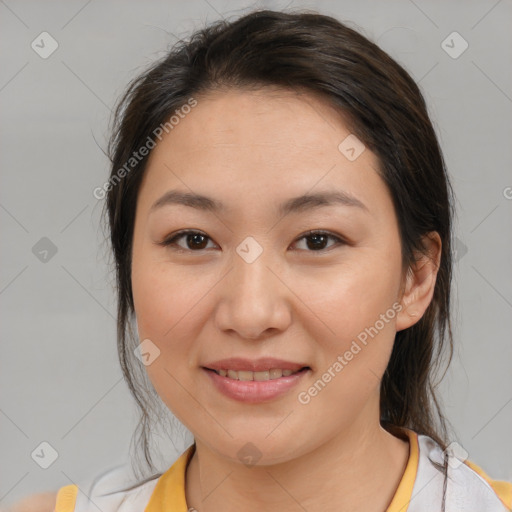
x=357, y=470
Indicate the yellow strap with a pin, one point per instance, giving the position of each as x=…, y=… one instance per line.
x=169, y=492
x=66, y=498
x=402, y=497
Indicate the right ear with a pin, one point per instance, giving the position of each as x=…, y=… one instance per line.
x=420, y=283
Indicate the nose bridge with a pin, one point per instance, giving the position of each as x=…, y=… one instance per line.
x=253, y=277
x=253, y=298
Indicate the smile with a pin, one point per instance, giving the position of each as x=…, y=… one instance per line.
x=255, y=387
x=271, y=374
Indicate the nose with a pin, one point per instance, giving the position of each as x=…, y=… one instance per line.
x=254, y=300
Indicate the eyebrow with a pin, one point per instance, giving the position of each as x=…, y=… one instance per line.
x=301, y=203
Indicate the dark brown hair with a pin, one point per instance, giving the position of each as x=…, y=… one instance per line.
x=383, y=107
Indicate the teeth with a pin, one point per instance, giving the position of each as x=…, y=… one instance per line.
x=273, y=373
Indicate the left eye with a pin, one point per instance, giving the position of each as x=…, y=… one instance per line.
x=318, y=240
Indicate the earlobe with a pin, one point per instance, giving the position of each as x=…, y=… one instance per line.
x=420, y=282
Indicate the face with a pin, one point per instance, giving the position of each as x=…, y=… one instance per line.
x=251, y=281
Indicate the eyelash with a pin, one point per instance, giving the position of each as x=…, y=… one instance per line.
x=171, y=241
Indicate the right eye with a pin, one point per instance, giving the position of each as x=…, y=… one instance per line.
x=194, y=241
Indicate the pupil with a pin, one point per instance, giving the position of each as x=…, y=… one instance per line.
x=192, y=239
x=319, y=241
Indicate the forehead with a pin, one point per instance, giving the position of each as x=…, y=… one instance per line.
x=269, y=116
x=272, y=142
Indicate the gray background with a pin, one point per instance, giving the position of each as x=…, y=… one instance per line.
x=60, y=380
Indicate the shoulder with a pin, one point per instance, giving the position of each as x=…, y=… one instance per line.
x=502, y=489
x=466, y=486
x=41, y=502
x=111, y=491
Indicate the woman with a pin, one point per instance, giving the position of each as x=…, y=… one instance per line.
x=281, y=221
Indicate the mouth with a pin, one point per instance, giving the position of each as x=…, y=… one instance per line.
x=260, y=376
x=255, y=381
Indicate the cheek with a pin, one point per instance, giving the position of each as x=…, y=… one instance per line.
x=354, y=316
x=165, y=296
x=171, y=306
x=167, y=305
x=350, y=298
x=354, y=329
x=163, y=305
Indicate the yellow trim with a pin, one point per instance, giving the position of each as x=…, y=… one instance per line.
x=66, y=498
x=402, y=497
x=502, y=489
x=169, y=492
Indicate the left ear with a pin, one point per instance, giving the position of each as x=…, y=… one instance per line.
x=420, y=282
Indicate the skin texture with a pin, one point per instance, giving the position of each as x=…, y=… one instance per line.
x=253, y=151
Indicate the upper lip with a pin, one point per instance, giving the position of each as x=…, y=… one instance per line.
x=254, y=365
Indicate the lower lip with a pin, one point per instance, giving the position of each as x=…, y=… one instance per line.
x=251, y=391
